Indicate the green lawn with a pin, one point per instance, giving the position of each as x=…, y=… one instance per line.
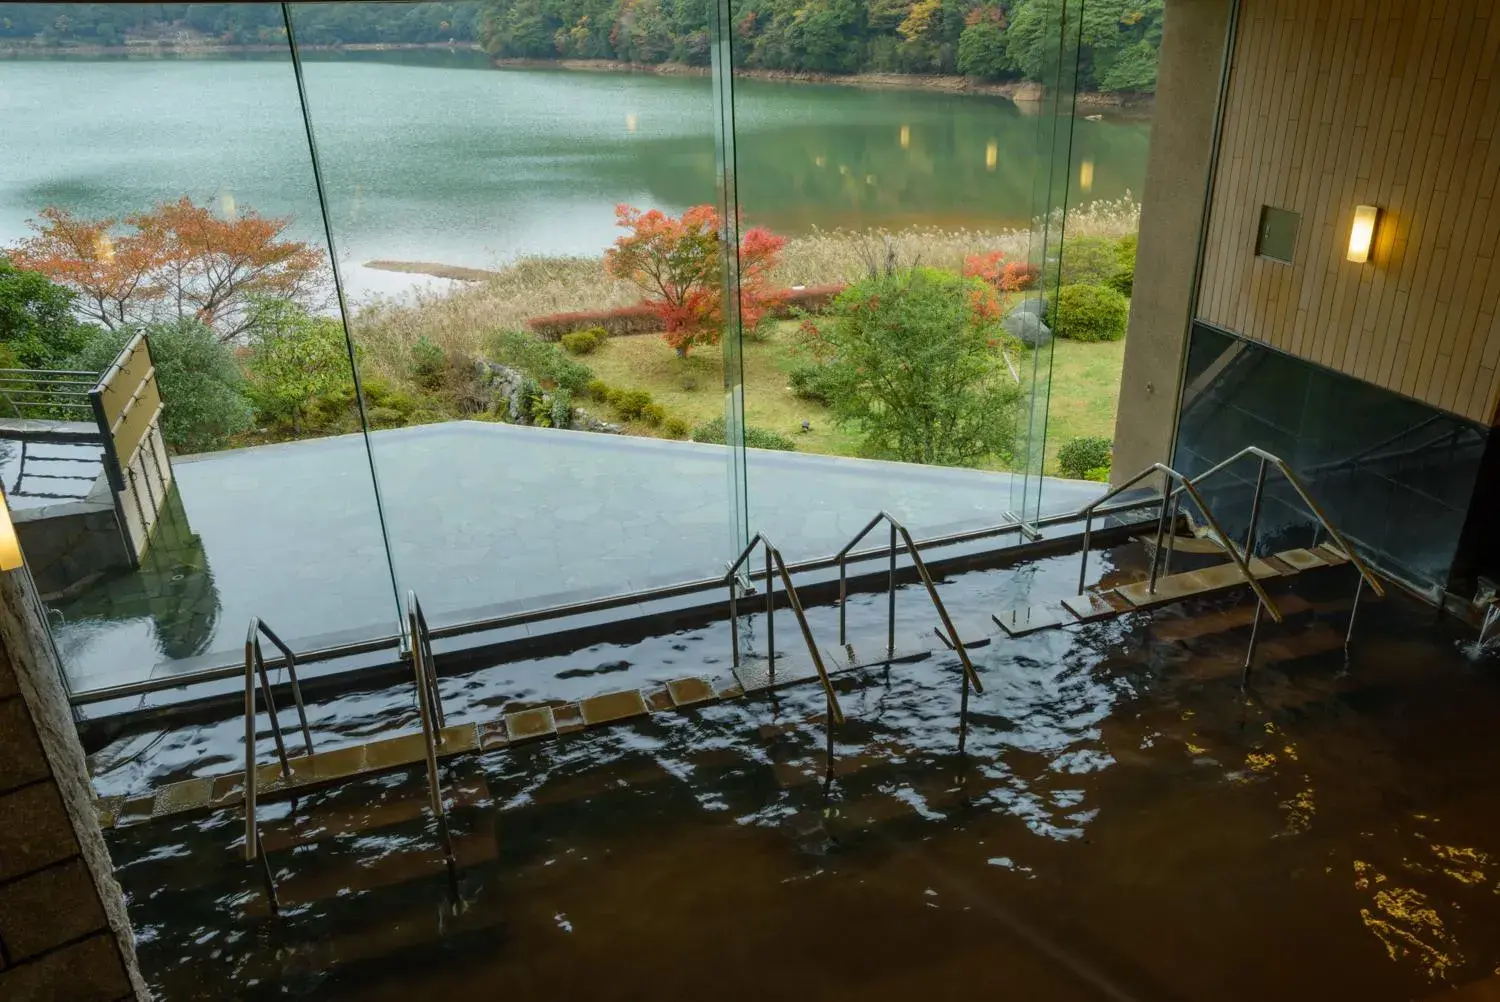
x=1085, y=385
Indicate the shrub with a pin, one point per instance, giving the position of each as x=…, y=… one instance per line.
x=598, y=390
x=562, y=409
x=638, y=319
x=584, y=342
x=653, y=414
x=910, y=362
x=809, y=382
x=1081, y=458
x=429, y=363
x=1123, y=280
x=1099, y=474
x=539, y=359
x=631, y=404
x=1084, y=261
x=712, y=432
x=295, y=359
x=1089, y=313
x=675, y=427
x=202, y=391
x=37, y=324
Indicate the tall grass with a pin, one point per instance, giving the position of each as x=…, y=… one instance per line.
x=459, y=319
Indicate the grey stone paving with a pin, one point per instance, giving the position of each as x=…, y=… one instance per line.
x=482, y=518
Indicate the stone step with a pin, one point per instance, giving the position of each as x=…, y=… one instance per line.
x=1190, y=584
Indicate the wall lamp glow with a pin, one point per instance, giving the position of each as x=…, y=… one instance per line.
x=1362, y=233
x=10, y=547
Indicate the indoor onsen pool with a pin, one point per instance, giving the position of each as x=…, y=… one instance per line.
x=1112, y=817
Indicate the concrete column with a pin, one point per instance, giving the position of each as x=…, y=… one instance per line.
x=1172, y=204
x=64, y=933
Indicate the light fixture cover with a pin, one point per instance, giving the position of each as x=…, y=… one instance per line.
x=10, y=547
x=1362, y=233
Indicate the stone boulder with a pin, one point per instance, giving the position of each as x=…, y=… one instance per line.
x=1027, y=328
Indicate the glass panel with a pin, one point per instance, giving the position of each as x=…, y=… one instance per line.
x=528, y=411
x=1095, y=214
x=885, y=374
x=175, y=196
x=1048, y=253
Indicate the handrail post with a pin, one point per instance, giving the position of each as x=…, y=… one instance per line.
x=1083, y=566
x=890, y=630
x=734, y=624
x=252, y=843
x=1161, y=529
x=1166, y=563
x=1234, y=552
x=415, y=623
x=265, y=687
x=1260, y=487
x=843, y=601
x=770, y=616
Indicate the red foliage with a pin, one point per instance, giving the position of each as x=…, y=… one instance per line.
x=676, y=263
x=645, y=319
x=1006, y=276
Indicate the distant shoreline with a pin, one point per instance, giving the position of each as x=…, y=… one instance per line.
x=433, y=269
x=218, y=49
x=1020, y=91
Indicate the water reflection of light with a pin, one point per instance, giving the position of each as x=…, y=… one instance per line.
x=905, y=137
x=1086, y=175
x=630, y=121
x=227, y=208
x=991, y=155
x=105, y=247
x=820, y=161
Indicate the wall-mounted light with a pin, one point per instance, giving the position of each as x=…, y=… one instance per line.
x=10, y=547
x=1362, y=233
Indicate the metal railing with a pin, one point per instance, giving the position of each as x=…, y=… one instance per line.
x=898, y=531
x=48, y=394
x=776, y=565
x=1267, y=461
x=255, y=666
x=430, y=707
x=1163, y=538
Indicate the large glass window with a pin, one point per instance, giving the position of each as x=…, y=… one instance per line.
x=173, y=196
x=533, y=282
x=521, y=304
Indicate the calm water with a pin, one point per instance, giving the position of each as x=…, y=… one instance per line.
x=438, y=157
x=1123, y=826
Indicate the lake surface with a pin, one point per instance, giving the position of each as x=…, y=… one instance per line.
x=439, y=157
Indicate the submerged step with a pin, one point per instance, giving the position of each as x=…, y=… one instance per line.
x=1031, y=619
x=1175, y=587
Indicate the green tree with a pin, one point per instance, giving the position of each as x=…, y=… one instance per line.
x=295, y=359
x=981, y=50
x=202, y=391
x=913, y=364
x=37, y=325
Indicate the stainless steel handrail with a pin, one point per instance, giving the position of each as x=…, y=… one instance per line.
x=430, y=706
x=1168, y=508
x=774, y=559
x=255, y=665
x=1265, y=458
x=897, y=529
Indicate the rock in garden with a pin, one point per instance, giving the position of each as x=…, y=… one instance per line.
x=1027, y=328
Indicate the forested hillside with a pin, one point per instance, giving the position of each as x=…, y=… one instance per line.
x=988, y=39
x=997, y=40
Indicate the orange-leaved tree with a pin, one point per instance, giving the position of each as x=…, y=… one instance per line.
x=675, y=262
x=1006, y=276
x=178, y=260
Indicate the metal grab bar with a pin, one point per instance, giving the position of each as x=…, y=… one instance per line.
x=255, y=665
x=1168, y=505
x=775, y=561
x=897, y=529
x=430, y=706
x=1367, y=576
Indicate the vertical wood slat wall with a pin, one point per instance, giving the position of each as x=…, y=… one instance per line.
x=1338, y=103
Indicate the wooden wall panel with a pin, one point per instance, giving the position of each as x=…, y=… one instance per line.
x=1338, y=103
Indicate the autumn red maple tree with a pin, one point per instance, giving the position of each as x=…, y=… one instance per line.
x=675, y=261
x=178, y=260
x=1005, y=276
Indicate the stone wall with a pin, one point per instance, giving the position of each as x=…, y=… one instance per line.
x=64, y=932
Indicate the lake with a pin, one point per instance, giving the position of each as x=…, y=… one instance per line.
x=439, y=157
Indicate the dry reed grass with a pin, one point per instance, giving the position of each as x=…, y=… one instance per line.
x=458, y=319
